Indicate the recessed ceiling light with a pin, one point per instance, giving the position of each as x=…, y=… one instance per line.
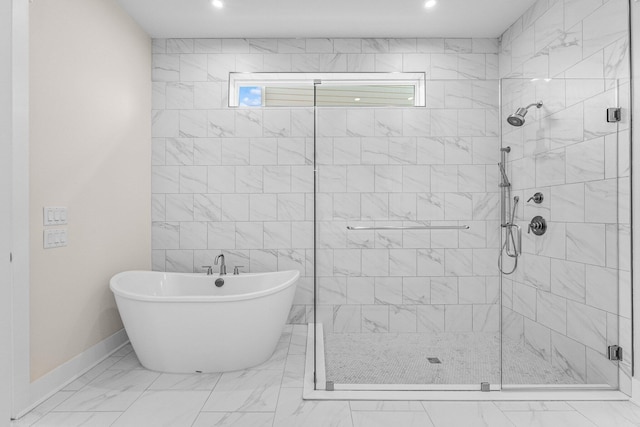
x=356, y=99
x=217, y=4
x=430, y=3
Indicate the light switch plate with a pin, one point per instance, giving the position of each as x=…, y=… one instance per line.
x=54, y=215
x=55, y=238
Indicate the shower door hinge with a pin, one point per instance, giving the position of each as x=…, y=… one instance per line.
x=485, y=387
x=614, y=352
x=614, y=114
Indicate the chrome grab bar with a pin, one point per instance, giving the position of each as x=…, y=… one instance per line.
x=412, y=227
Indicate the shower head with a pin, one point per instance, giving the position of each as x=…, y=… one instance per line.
x=517, y=118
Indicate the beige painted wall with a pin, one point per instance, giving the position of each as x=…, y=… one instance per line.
x=90, y=151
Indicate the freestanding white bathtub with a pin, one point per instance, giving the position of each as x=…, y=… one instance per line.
x=184, y=323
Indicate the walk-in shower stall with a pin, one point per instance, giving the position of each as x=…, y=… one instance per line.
x=455, y=250
x=446, y=242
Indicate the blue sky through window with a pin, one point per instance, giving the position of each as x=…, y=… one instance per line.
x=250, y=96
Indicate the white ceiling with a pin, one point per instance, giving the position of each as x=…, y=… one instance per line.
x=325, y=18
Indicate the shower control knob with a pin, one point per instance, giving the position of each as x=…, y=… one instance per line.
x=537, y=198
x=538, y=225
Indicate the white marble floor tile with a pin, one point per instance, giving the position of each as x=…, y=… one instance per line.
x=288, y=327
x=285, y=339
x=548, y=419
x=185, y=382
x=246, y=391
x=294, y=371
x=77, y=419
x=294, y=412
x=298, y=343
x=234, y=419
x=609, y=414
x=92, y=373
x=128, y=362
x=111, y=391
x=123, y=351
x=287, y=331
x=468, y=414
x=163, y=408
x=533, y=406
x=386, y=405
x=386, y=419
x=277, y=359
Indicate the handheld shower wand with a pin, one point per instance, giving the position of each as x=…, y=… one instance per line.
x=512, y=244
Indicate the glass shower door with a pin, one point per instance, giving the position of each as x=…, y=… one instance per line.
x=406, y=214
x=562, y=317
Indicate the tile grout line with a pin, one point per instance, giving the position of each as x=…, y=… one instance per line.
x=207, y=399
x=427, y=412
x=273, y=420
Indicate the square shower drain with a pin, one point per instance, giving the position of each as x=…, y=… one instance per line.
x=433, y=360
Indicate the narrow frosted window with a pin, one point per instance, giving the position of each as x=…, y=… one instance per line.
x=331, y=89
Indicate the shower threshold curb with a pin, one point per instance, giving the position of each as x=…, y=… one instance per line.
x=445, y=392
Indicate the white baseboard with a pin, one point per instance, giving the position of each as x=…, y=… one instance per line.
x=52, y=382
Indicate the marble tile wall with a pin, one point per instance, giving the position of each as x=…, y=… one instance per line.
x=240, y=181
x=409, y=167
x=570, y=297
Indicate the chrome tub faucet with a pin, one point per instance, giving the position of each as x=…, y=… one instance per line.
x=223, y=266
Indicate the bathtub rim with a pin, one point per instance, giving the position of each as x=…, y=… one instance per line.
x=118, y=292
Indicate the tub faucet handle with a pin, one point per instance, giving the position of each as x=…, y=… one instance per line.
x=209, y=269
x=236, y=269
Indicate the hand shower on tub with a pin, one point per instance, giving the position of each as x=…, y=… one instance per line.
x=512, y=245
